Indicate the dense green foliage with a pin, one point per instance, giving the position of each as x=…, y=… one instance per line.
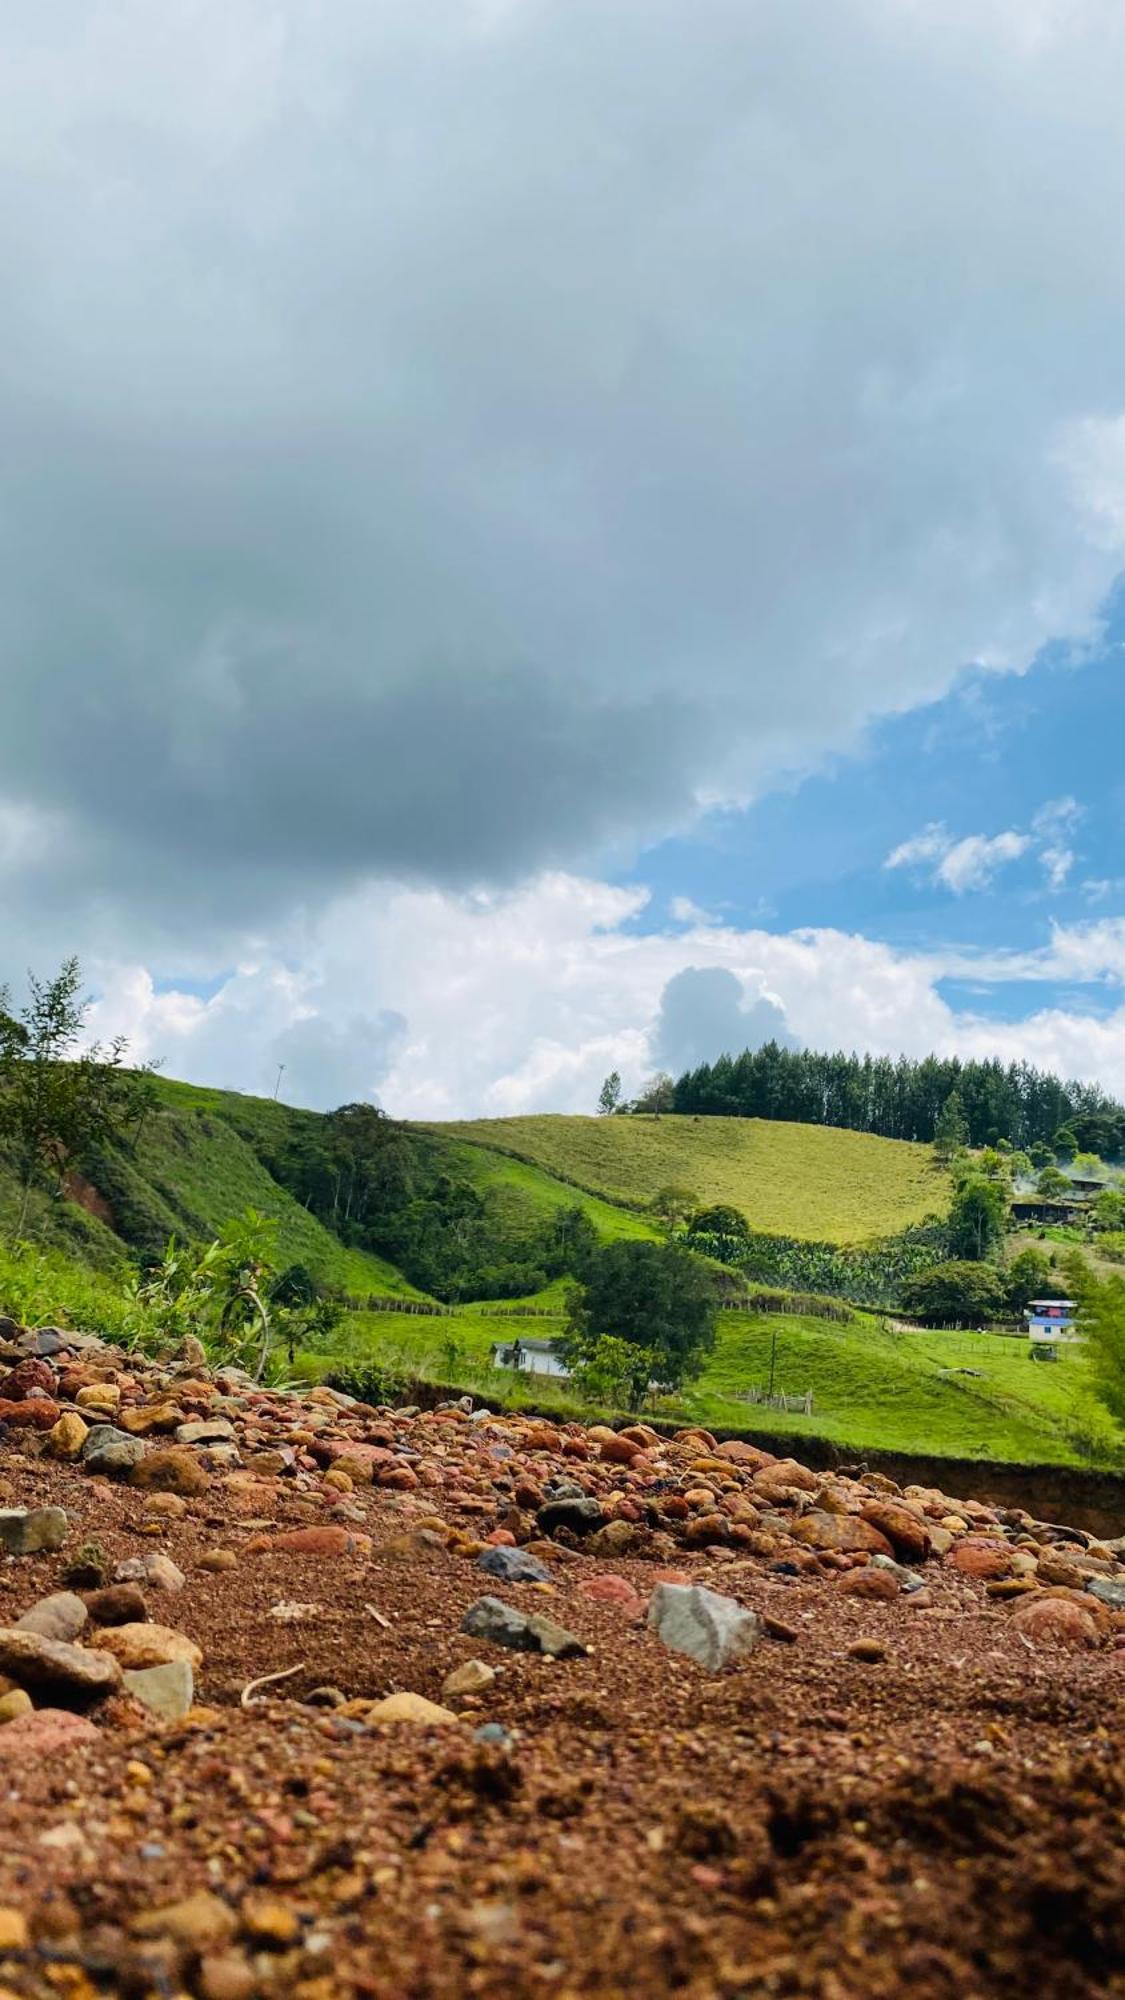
x=870, y=1274
x=905, y=1099
x=958, y=1293
x=655, y=1303
x=977, y=1217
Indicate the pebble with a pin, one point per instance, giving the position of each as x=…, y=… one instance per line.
x=513, y=1566
x=170, y=1469
x=66, y=1438
x=17, y=1701
x=491, y=1618
x=55, y=1665
x=168, y=1691
x=473, y=1677
x=580, y=1515
x=30, y=1737
x=31, y=1531
x=870, y=1651
x=157, y=1570
x=117, y=1604
x=111, y=1453
x=147, y=1645
x=711, y=1629
x=197, y=1921
x=410, y=1708
x=59, y=1617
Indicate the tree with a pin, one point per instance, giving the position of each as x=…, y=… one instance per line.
x=1109, y=1209
x=951, y=1133
x=657, y=1095
x=722, y=1230
x=1101, y=1303
x=672, y=1206
x=655, y=1297
x=959, y=1293
x=1053, y=1185
x=609, y=1096
x=58, y=1100
x=977, y=1217
x=1064, y=1143
x=1029, y=1276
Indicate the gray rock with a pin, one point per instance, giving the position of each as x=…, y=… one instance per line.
x=513, y=1566
x=60, y=1616
x=156, y=1569
x=561, y=1488
x=168, y=1691
x=908, y=1580
x=78, y=1673
x=581, y=1515
x=28, y=1531
x=1108, y=1590
x=111, y=1452
x=709, y=1628
x=494, y=1733
x=491, y=1618
x=208, y=1430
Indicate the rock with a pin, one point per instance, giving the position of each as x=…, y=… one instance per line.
x=78, y=1672
x=617, y=1538
x=32, y=1531
x=110, y=1452
x=168, y=1691
x=850, y=1534
x=216, y=1560
x=1058, y=1569
x=66, y=1438
x=29, y=1738
x=207, y=1430
x=906, y=1534
x=170, y=1469
x=491, y=1618
x=267, y=1921
x=198, y=1921
x=870, y=1651
x=1054, y=1621
x=513, y=1566
x=37, y=1413
x=410, y=1708
x=153, y=1417
x=872, y=1586
x=471, y=1678
x=147, y=1645
x=156, y=1570
x=580, y=1515
x=59, y=1617
x=120, y=1604
x=315, y=1542
x=616, y=1591
x=99, y=1396
x=1004, y=1587
x=978, y=1557
x=908, y=1580
x=14, y=1934
x=87, y=1569
x=26, y=1376
x=711, y=1629
x=16, y=1702
x=227, y=1975
x=1108, y=1590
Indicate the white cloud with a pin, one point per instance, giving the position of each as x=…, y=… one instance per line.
x=972, y=861
x=447, y=1006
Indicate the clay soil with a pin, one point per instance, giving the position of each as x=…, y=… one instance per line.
x=945, y=1822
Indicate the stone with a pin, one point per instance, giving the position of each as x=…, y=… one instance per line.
x=32, y=1531
x=119, y=1604
x=16, y=1702
x=216, y=1560
x=33, y=1373
x=110, y=1452
x=616, y=1591
x=410, y=1708
x=99, y=1396
x=315, y=1542
x=227, y=1975
x=206, y=1430
x=36, y=1413
x=513, y=1566
x=617, y=1538
x=147, y=1645
x=29, y=1738
x=79, y=1672
x=871, y=1652
x=1054, y=1621
x=197, y=1921
x=156, y=1570
x=580, y=1515
x=1108, y=1590
x=66, y=1438
x=491, y=1618
x=908, y=1580
x=978, y=1557
x=170, y=1469
x=87, y=1569
x=872, y=1586
x=59, y=1617
x=14, y=1934
x=907, y=1535
x=471, y=1678
x=269, y=1922
x=711, y=1629
x=152, y=1417
x=849, y=1534
x=167, y=1691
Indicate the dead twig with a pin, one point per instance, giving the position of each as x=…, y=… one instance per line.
x=263, y=1680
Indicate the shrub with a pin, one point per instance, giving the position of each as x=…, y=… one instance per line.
x=962, y=1292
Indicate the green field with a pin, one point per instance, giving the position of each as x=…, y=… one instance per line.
x=811, y=1181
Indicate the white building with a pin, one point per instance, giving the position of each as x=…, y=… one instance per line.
x=532, y=1357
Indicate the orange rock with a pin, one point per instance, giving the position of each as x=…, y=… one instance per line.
x=977, y=1557
x=1054, y=1621
x=844, y=1532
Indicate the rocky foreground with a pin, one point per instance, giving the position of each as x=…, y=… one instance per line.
x=306, y=1698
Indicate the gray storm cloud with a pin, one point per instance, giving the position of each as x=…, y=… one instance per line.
x=446, y=441
x=705, y=1013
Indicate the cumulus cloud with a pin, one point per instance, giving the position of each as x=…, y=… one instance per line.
x=705, y=1012
x=447, y=442
x=972, y=861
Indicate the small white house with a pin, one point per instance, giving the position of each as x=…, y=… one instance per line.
x=531, y=1357
x=1051, y=1323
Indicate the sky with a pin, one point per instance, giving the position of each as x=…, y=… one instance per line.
x=544, y=536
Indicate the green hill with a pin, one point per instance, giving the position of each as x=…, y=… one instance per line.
x=810, y=1181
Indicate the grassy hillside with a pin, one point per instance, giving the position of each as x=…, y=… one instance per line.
x=811, y=1181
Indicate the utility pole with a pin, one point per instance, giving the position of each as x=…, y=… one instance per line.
x=277, y=1085
x=773, y=1354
